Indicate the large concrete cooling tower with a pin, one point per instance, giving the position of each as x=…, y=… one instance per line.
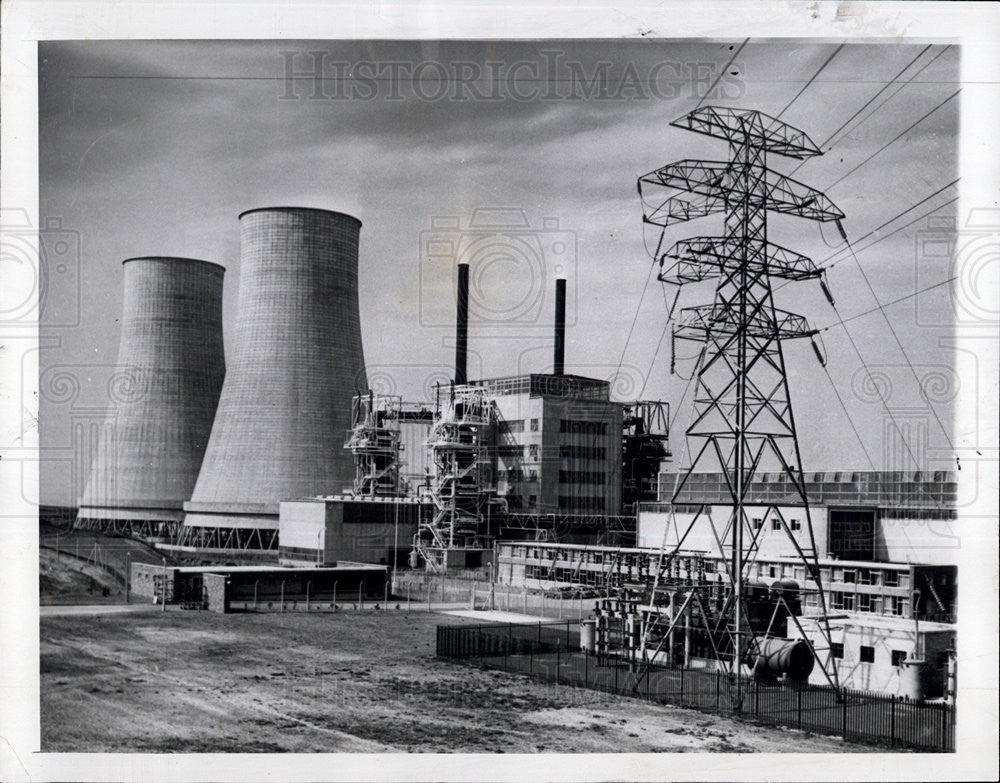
x=163, y=396
x=286, y=404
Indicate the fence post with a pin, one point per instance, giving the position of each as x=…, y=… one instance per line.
x=843, y=717
x=892, y=722
x=616, y=675
x=946, y=713
x=681, y=702
x=798, y=698
x=567, y=636
x=718, y=699
x=539, y=638
x=558, y=661
x=756, y=702
x=586, y=669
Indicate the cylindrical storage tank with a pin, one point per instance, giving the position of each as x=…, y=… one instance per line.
x=588, y=636
x=297, y=362
x=164, y=394
x=790, y=657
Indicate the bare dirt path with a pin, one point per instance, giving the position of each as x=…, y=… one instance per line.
x=201, y=682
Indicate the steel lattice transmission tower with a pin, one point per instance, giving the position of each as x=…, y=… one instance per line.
x=742, y=422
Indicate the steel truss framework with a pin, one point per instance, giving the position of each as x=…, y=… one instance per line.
x=139, y=528
x=233, y=538
x=742, y=421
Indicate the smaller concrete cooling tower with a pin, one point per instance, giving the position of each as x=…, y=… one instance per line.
x=163, y=396
x=286, y=405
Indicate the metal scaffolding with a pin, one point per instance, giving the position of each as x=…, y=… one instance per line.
x=374, y=440
x=742, y=422
x=645, y=445
x=462, y=487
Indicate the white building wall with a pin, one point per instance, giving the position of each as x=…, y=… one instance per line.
x=651, y=526
x=932, y=541
x=883, y=637
x=304, y=524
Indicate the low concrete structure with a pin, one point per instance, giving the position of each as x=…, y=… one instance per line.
x=328, y=529
x=885, y=654
x=226, y=588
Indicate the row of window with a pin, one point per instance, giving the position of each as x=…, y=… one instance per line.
x=895, y=605
x=828, y=575
x=564, y=575
x=583, y=427
x=794, y=524
x=862, y=576
x=866, y=654
x=520, y=425
x=582, y=452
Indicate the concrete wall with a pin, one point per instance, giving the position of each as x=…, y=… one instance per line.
x=304, y=525
x=367, y=532
x=217, y=592
x=145, y=581
x=901, y=540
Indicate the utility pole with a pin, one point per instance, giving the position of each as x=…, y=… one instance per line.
x=742, y=422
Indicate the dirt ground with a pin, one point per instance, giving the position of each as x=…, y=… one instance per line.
x=203, y=682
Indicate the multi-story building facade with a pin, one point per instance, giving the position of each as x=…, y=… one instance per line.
x=558, y=444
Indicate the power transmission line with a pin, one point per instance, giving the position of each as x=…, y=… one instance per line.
x=871, y=100
x=895, y=139
x=806, y=85
x=923, y=290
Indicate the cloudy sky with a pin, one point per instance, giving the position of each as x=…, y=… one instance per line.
x=154, y=148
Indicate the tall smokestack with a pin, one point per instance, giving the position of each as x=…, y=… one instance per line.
x=559, y=357
x=296, y=365
x=462, y=326
x=172, y=368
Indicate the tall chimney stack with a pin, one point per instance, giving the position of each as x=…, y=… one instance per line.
x=559, y=357
x=462, y=326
